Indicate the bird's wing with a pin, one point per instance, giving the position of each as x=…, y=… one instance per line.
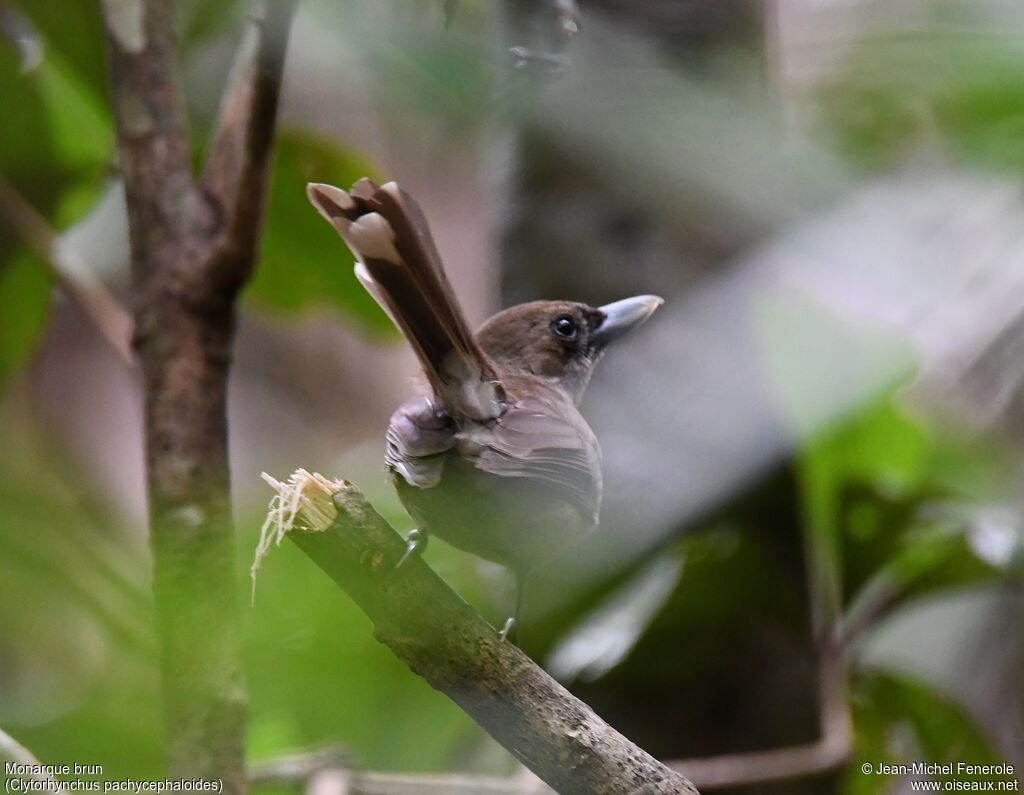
x=417, y=436
x=550, y=442
x=400, y=267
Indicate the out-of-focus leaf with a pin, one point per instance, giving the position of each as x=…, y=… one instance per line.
x=822, y=369
x=879, y=444
x=895, y=94
x=56, y=135
x=304, y=263
x=97, y=242
x=26, y=152
x=91, y=688
x=75, y=31
x=79, y=121
x=436, y=78
x=604, y=636
x=878, y=485
x=948, y=544
x=316, y=674
x=819, y=366
x=900, y=720
x=24, y=306
x=53, y=128
x=200, y=19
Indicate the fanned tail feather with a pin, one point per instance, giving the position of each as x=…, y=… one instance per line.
x=399, y=266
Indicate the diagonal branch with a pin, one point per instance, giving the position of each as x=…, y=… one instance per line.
x=237, y=165
x=445, y=641
x=98, y=304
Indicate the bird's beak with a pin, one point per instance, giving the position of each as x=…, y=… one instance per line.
x=623, y=316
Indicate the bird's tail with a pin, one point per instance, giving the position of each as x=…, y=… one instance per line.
x=399, y=266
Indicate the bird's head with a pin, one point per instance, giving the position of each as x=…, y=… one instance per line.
x=560, y=340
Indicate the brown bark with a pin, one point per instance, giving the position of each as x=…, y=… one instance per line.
x=447, y=643
x=192, y=249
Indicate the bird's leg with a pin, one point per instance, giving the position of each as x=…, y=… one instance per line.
x=510, y=631
x=415, y=543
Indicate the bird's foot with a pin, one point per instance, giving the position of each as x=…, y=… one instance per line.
x=510, y=631
x=415, y=543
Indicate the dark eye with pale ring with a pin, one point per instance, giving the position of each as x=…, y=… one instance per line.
x=564, y=326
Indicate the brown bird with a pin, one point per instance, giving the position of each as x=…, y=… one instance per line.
x=492, y=455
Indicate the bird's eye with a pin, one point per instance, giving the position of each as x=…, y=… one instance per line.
x=565, y=327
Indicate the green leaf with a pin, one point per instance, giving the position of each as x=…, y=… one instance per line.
x=25, y=289
x=902, y=720
x=75, y=31
x=304, y=264
x=56, y=134
x=200, y=20
x=440, y=78
x=945, y=545
x=822, y=369
x=880, y=444
x=877, y=446
x=27, y=155
x=896, y=94
x=819, y=366
x=79, y=121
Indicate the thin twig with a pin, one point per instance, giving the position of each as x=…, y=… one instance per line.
x=88, y=292
x=237, y=164
x=780, y=764
x=445, y=784
x=303, y=766
x=298, y=766
x=835, y=724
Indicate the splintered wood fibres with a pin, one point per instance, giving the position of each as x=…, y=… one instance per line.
x=305, y=501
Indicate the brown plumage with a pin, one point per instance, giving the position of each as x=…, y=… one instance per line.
x=493, y=455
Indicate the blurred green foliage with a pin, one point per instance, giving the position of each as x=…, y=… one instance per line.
x=939, y=90
x=892, y=506
x=303, y=263
x=316, y=673
x=901, y=720
x=25, y=289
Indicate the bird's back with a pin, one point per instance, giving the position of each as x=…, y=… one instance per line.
x=517, y=489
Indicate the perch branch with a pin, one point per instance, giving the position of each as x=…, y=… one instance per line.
x=446, y=642
x=97, y=303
